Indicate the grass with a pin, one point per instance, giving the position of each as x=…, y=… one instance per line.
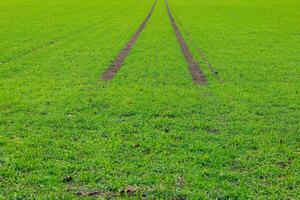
x=150, y=132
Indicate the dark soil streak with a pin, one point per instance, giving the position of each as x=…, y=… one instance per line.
x=212, y=69
x=204, y=58
x=117, y=63
x=201, y=53
x=194, y=68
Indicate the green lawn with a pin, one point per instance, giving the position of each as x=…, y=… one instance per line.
x=151, y=132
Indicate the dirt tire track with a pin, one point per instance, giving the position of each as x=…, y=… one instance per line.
x=212, y=69
x=194, y=68
x=117, y=63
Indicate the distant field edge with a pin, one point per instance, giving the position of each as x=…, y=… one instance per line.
x=194, y=68
x=117, y=63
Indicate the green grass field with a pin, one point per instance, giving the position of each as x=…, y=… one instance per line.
x=151, y=132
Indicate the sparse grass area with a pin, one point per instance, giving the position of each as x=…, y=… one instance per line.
x=151, y=132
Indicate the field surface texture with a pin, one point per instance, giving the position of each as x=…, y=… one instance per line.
x=202, y=100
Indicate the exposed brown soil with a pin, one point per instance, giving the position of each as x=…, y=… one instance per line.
x=201, y=53
x=97, y=193
x=128, y=191
x=117, y=63
x=204, y=58
x=194, y=68
x=210, y=66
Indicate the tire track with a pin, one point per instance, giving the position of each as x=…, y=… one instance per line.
x=203, y=56
x=117, y=63
x=194, y=68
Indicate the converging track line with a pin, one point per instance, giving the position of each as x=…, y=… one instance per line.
x=117, y=63
x=194, y=68
x=201, y=53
